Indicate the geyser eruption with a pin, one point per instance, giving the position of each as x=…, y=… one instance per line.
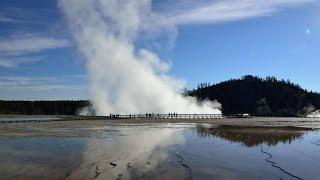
x=311, y=112
x=314, y=114
x=124, y=78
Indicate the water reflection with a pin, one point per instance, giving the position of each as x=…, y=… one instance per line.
x=253, y=136
x=161, y=151
x=127, y=152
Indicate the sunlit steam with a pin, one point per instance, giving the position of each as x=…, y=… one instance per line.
x=315, y=114
x=311, y=112
x=124, y=78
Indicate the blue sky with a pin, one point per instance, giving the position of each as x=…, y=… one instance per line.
x=215, y=41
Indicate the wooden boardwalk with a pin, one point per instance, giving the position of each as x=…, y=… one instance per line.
x=167, y=116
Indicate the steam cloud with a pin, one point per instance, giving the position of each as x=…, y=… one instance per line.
x=125, y=78
x=315, y=114
x=311, y=112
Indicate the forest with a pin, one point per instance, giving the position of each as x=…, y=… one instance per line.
x=260, y=97
x=61, y=107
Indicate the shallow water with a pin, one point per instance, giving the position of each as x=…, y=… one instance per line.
x=4, y=118
x=163, y=151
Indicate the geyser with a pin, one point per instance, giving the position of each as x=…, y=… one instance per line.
x=124, y=78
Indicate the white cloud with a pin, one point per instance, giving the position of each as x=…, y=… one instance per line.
x=27, y=16
x=38, y=83
x=11, y=62
x=193, y=12
x=26, y=82
x=34, y=88
x=17, y=49
x=7, y=20
x=30, y=44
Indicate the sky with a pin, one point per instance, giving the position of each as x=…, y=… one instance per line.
x=206, y=41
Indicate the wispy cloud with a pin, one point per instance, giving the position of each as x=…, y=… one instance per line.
x=26, y=82
x=20, y=49
x=6, y=20
x=30, y=44
x=36, y=83
x=166, y=15
x=11, y=62
x=33, y=88
x=27, y=16
x=29, y=32
x=215, y=11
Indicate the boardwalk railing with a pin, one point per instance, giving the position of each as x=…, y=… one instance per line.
x=166, y=116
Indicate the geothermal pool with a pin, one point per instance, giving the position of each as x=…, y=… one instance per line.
x=157, y=151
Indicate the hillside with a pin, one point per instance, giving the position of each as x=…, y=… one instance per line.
x=260, y=97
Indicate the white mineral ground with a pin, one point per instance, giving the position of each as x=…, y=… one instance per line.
x=45, y=128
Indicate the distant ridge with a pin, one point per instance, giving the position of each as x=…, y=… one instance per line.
x=260, y=97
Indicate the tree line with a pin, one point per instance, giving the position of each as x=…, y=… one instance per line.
x=61, y=107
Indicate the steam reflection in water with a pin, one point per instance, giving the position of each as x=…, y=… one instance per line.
x=128, y=151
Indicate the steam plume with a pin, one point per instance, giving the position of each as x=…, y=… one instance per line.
x=314, y=114
x=124, y=78
x=311, y=112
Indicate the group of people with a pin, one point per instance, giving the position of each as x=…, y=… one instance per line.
x=115, y=115
x=158, y=115
x=173, y=115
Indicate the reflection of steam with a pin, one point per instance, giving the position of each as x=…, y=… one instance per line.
x=126, y=152
x=254, y=136
x=124, y=78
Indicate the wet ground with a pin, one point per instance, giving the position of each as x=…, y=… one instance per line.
x=17, y=118
x=150, y=150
